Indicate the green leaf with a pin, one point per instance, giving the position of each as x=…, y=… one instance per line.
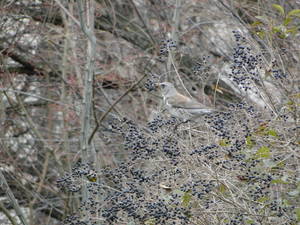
x=150, y=222
x=276, y=29
x=297, y=95
x=272, y=133
x=186, y=199
x=286, y=21
x=263, y=152
x=224, y=142
x=256, y=23
x=261, y=34
x=294, y=12
x=283, y=35
x=278, y=181
x=263, y=199
x=276, y=166
x=297, y=212
x=249, y=142
x=279, y=8
x=222, y=188
x=292, y=30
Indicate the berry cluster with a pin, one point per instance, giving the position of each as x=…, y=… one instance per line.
x=246, y=65
x=202, y=69
x=151, y=82
x=165, y=47
x=71, y=182
x=159, y=122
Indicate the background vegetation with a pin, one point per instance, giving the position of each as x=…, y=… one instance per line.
x=85, y=137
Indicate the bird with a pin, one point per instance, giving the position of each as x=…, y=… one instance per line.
x=180, y=105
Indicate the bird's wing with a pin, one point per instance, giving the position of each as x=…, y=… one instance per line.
x=181, y=101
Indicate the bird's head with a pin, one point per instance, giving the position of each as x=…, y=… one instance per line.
x=167, y=89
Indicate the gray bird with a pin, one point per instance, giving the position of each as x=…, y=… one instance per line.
x=180, y=105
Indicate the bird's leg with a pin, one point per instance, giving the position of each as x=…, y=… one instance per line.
x=182, y=122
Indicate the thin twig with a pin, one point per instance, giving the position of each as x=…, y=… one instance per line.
x=7, y=214
x=9, y=193
x=112, y=106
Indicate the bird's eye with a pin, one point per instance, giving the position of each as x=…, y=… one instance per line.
x=163, y=85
